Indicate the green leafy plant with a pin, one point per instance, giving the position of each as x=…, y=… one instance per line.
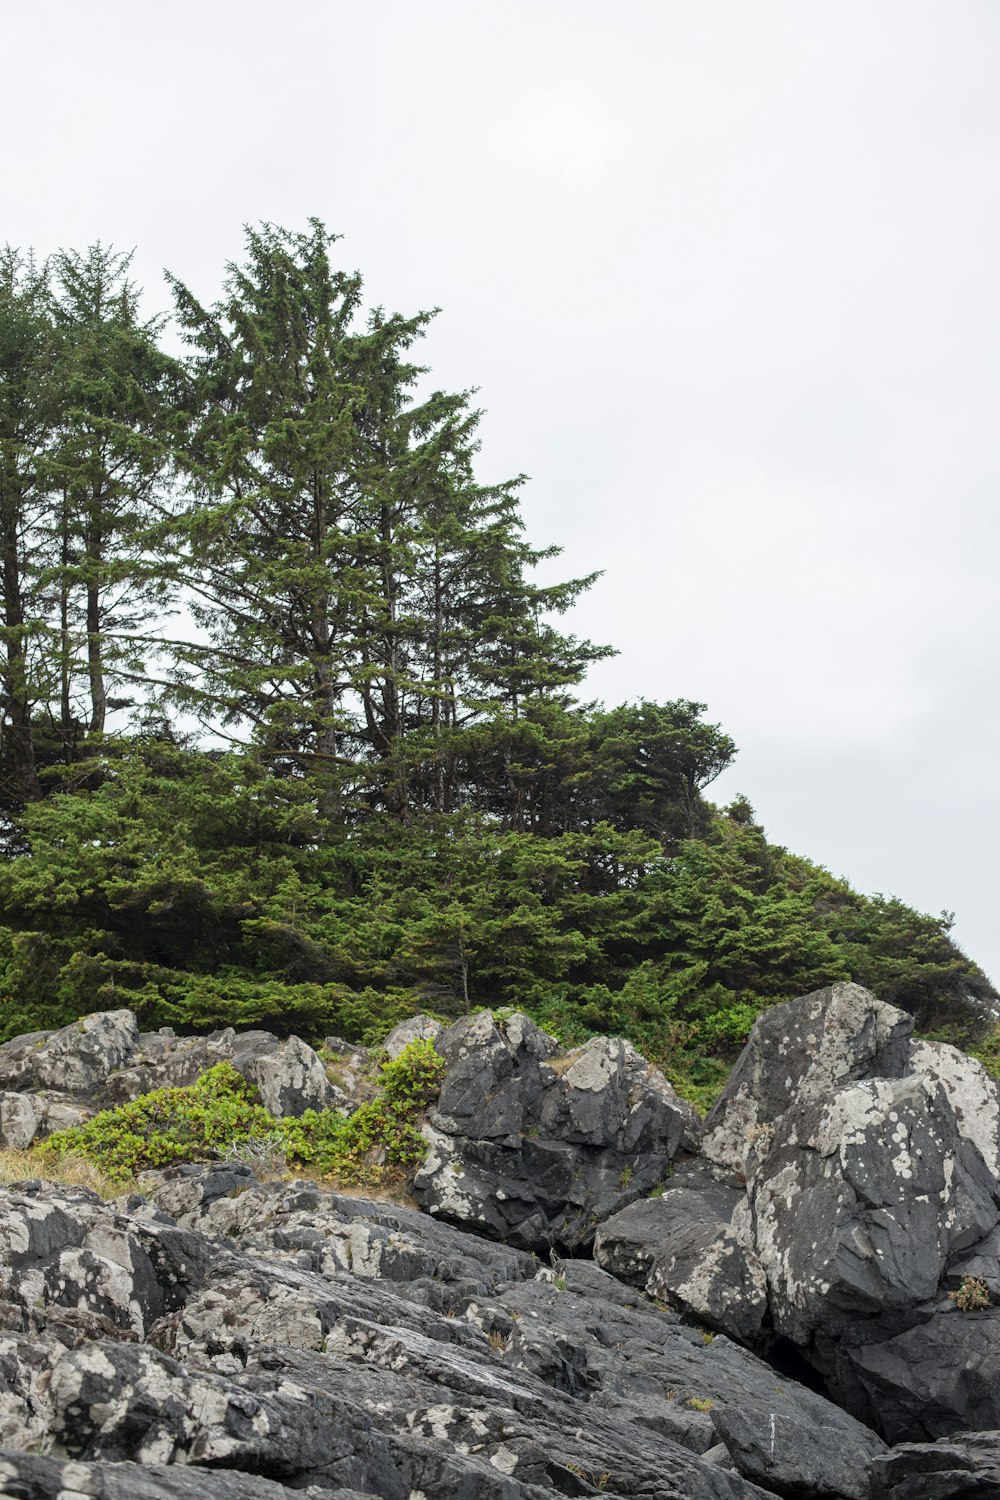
x=219, y=1116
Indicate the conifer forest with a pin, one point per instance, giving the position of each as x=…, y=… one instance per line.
x=291, y=734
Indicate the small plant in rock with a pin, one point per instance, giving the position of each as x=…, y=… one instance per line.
x=760, y=1136
x=598, y=1478
x=700, y=1403
x=626, y=1176
x=499, y=1342
x=265, y=1155
x=973, y=1294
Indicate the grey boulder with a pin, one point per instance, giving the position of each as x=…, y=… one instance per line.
x=537, y=1147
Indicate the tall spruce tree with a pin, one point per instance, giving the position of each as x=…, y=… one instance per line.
x=363, y=594
x=29, y=417
x=116, y=390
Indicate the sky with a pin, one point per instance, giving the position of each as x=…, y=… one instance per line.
x=725, y=276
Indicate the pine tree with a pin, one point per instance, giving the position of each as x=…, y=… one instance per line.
x=116, y=389
x=364, y=595
x=29, y=415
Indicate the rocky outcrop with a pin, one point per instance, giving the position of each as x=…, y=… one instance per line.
x=966, y=1467
x=537, y=1147
x=839, y=1221
x=871, y=1201
x=297, y=1338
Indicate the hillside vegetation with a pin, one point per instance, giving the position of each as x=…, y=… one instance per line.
x=290, y=734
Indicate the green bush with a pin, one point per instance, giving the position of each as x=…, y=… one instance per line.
x=221, y=1110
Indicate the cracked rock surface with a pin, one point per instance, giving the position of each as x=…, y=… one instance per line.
x=302, y=1340
x=775, y=1295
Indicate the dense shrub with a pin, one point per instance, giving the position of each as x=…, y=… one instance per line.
x=211, y=1117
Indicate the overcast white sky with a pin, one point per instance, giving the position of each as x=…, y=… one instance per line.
x=726, y=274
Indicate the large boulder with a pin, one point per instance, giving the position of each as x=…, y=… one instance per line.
x=289, y=1078
x=803, y=1050
x=536, y=1146
x=966, y=1467
x=872, y=1205
x=76, y=1060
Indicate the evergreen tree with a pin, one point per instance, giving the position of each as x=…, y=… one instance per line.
x=364, y=595
x=116, y=388
x=29, y=417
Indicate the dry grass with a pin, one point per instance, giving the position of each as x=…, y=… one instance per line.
x=71, y=1169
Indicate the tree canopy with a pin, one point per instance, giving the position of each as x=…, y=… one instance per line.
x=289, y=732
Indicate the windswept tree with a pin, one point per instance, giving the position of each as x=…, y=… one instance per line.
x=362, y=592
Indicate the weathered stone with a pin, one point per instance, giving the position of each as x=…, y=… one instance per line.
x=291, y=1079
x=939, y=1377
x=803, y=1050
x=164, y=1060
x=17, y=1059
x=414, y=1029
x=21, y=1117
x=966, y=1467
x=79, y=1058
x=30, y=1476
x=628, y=1242
x=537, y=1148
x=331, y=1341
x=860, y=1201
x=784, y=1453
x=973, y=1095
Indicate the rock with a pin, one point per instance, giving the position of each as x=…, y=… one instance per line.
x=17, y=1059
x=684, y=1249
x=167, y=1061
x=21, y=1117
x=871, y=1192
x=335, y=1343
x=29, y=1476
x=537, y=1148
x=290, y=1080
x=778, y=1450
x=288, y=1075
x=799, y=1051
x=958, y=1468
x=973, y=1095
x=415, y=1029
x=707, y=1270
x=75, y=1060
x=860, y=1201
x=939, y=1377
x=26, y=1118
x=628, y=1242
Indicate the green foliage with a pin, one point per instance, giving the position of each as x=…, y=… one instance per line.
x=221, y=1111
x=416, y=815
x=167, y=1126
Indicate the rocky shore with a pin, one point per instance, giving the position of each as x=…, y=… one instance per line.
x=596, y=1293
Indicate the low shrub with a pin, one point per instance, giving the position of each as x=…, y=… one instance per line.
x=220, y=1116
